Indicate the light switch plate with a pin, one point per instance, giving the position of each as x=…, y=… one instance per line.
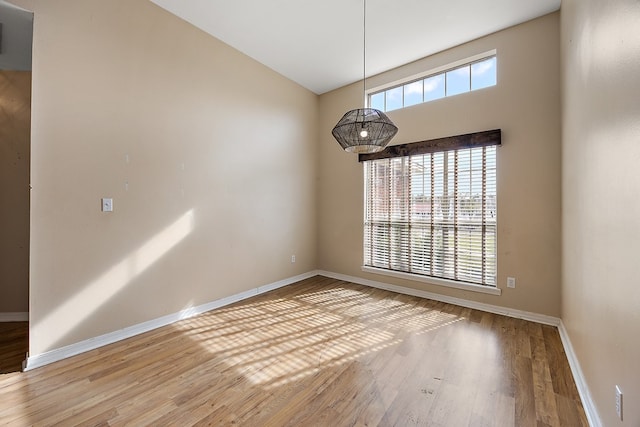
x=107, y=205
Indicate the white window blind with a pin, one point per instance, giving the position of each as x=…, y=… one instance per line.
x=433, y=214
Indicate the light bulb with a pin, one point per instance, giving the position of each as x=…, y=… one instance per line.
x=364, y=133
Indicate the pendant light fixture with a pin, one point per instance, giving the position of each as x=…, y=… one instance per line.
x=364, y=130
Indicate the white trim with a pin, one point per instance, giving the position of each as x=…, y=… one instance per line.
x=57, y=354
x=434, y=280
x=505, y=311
x=15, y=316
x=581, y=383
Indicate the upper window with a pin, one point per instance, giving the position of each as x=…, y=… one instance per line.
x=465, y=78
x=433, y=212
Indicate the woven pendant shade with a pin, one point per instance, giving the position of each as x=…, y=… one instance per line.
x=364, y=130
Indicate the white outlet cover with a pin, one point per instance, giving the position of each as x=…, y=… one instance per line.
x=107, y=205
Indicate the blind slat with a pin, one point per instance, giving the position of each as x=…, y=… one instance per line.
x=433, y=214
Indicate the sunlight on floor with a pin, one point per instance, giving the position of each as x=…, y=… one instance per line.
x=76, y=309
x=308, y=333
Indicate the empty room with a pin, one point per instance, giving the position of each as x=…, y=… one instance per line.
x=338, y=213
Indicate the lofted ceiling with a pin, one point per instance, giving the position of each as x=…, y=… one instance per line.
x=318, y=44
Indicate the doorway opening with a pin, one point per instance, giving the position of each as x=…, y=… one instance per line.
x=16, y=39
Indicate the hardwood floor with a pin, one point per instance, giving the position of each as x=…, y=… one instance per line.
x=14, y=344
x=321, y=352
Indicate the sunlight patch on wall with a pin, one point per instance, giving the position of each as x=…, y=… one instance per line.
x=79, y=307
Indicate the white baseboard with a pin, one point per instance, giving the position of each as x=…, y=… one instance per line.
x=519, y=314
x=15, y=316
x=55, y=355
x=578, y=376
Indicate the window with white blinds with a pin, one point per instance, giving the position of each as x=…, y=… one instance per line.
x=433, y=214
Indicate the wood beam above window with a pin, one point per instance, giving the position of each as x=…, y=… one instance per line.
x=470, y=140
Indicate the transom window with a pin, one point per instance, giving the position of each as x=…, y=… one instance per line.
x=472, y=76
x=434, y=213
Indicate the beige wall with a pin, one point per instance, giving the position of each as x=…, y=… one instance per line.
x=601, y=204
x=221, y=169
x=526, y=106
x=212, y=162
x=15, y=121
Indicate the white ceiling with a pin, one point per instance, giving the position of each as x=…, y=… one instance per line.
x=318, y=44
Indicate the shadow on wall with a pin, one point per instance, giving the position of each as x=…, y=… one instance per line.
x=15, y=136
x=67, y=316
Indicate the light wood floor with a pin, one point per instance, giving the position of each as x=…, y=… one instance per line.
x=317, y=353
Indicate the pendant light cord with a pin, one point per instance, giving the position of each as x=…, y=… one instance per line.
x=364, y=130
x=364, y=51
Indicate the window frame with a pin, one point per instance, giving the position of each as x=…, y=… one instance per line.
x=433, y=73
x=459, y=142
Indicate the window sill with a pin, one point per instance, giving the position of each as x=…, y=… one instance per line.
x=434, y=281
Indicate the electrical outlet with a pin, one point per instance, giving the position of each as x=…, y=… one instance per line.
x=293, y=259
x=511, y=282
x=619, y=402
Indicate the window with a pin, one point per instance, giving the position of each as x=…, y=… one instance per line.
x=433, y=212
x=472, y=76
